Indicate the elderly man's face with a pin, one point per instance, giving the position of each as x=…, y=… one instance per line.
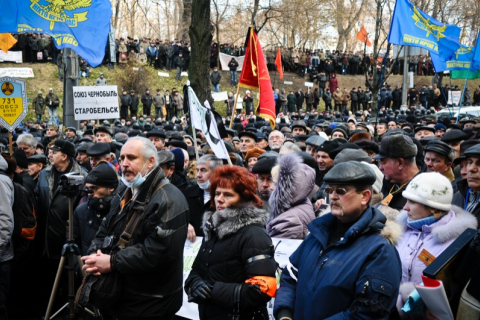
x=29, y=151
x=204, y=172
x=133, y=161
x=473, y=173
x=436, y=162
x=34, y=169
x=275, y=140
x=423, y=133
x=346, y=203
x=246, y=143
x=103, y=137
x=159, y=142
x=389, y=167
x=392, y=125
x=82, y=157
x=265, y=185
x=439, y=133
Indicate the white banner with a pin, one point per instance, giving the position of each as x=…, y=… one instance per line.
x=225, y=59
x=95, y=102
x=13, y=56
x=283, y=250
x=163, y=74
x=309, y=84
x=16, y=72
x=220, y=96
x=454, y=97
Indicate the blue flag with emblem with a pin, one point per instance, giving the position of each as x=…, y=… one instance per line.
x=81, y=25
x=411, y=26
x=461, y=60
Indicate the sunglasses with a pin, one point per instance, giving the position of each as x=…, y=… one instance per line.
x=338, y=191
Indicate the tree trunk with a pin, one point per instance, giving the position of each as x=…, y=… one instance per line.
x=117, y=14
x=186, y=18
x=201, y=36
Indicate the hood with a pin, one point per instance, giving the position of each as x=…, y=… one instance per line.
x=231, y=220
x=3, y=164
x=449, y=227
x=295, y=181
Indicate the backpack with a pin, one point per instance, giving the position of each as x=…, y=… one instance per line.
x=25, y=223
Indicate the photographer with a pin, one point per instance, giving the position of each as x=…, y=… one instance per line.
x=52, y=212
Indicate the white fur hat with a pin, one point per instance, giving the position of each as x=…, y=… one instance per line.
x=431, y=189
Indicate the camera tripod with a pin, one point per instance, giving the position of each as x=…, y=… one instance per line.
x=69, y=251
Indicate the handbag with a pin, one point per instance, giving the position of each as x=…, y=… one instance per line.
x=104, y=291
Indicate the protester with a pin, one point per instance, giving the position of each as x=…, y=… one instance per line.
x=6, y=232
x=150, y=265
x=236, y=255
x=290, y=209
x=339, y=266
x=430, y=226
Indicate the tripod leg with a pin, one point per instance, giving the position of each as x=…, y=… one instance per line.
x=55, y=287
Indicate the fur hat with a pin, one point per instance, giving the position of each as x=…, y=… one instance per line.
x=255, y=152
x=431, y=189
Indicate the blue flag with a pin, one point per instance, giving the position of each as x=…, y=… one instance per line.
x=476, y=56
x=461, y=60
x=412, y=27
x=81, y=25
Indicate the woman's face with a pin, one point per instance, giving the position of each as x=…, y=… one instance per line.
x=416, y=210
x=251, y=162
x=226, y=197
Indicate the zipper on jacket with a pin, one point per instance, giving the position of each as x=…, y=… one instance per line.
x=321, y=266
x=365, y=286
x=318, y=273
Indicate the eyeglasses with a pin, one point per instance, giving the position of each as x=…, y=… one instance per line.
x=338, y=191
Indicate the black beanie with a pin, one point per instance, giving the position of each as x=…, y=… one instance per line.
x=103, y=175
x=21, y=158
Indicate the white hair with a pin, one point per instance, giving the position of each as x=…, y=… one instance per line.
x=148, y=150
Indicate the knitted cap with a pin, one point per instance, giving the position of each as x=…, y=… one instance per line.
x=431, y=189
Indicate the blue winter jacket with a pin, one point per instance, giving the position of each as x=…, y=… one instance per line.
x=356, y=278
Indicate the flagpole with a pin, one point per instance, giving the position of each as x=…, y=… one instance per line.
x=384, y=65
x=463, y=92
x=234, y=107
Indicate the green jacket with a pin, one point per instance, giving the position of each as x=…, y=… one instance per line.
x=38, y=105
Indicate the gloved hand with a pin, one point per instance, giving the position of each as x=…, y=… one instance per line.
x=475, y=244
x=200, y=291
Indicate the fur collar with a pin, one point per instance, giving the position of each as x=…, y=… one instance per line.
x=461, y=221
x=231, y=220
x=392, y=232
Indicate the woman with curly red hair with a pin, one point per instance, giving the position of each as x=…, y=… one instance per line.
x=234, y=272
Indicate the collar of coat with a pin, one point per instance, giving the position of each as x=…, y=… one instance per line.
x=230, y=220
x=371, y=221
x=449, y=227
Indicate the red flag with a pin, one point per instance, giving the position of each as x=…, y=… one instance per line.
x=362, y=36
x=278, y=63
x=255, y=75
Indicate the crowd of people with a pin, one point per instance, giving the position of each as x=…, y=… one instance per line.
x=372, y=200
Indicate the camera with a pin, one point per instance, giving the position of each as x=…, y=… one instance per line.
x=71, y=179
